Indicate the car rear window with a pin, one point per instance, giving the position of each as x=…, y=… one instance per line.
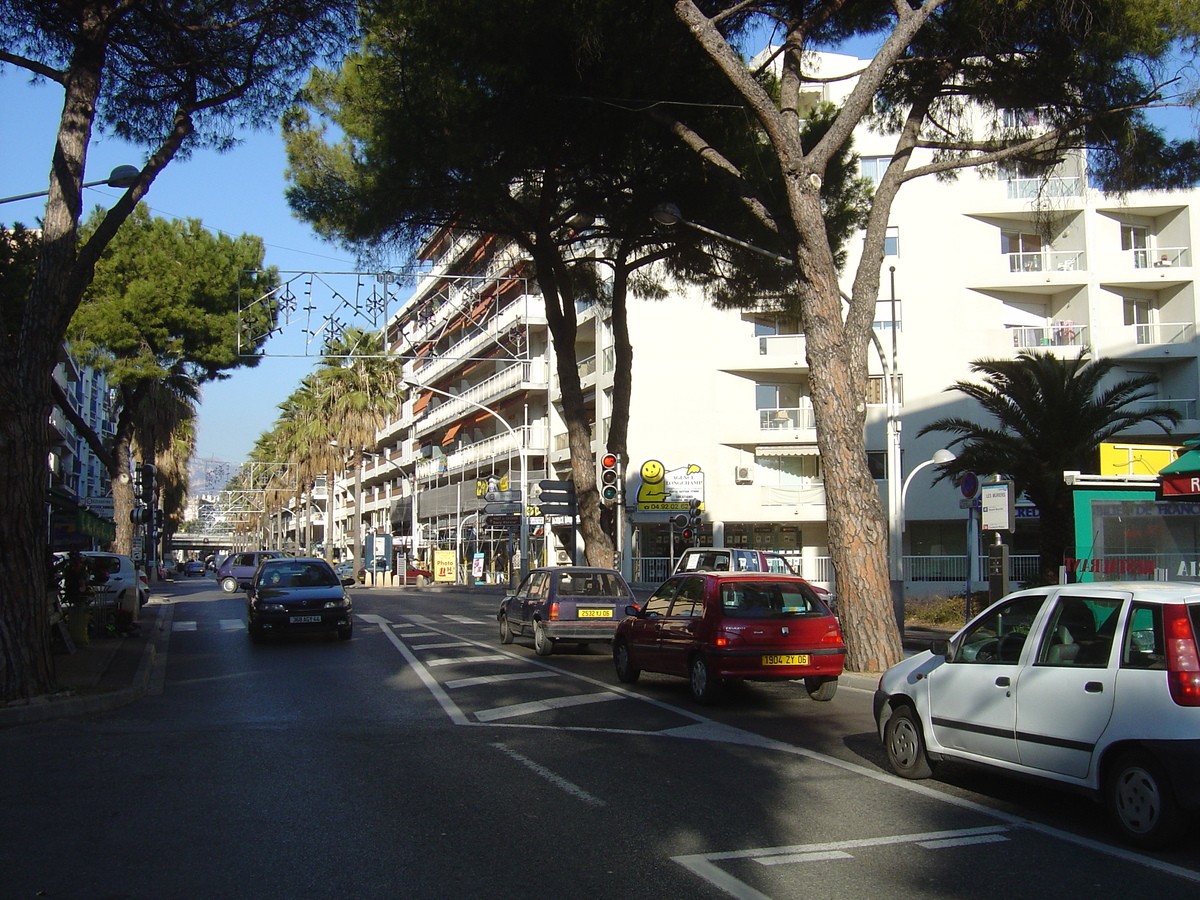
x=770, y=599
x=590, y=584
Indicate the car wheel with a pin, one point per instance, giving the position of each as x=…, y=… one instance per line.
x=1141, y=803
x=542, y=645
x=345, y=633
x=821, y=688
x=705, y=685
x=905, y=744
x=506, y=632
x=229, y=585
x=626, y=673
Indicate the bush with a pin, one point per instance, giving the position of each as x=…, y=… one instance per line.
x=941, y=611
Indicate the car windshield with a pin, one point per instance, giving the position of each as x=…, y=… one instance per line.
x=296, y=575
x=769, y=599
x=590, y=584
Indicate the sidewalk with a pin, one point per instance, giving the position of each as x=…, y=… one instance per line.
x=104, y=674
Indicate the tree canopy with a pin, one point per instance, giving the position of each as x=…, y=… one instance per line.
x=1048, y=416
x=168, y=76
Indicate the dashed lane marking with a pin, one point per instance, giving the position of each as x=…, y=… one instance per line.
x=442, y=646
x=496, y=679
x=537, y=706
x=233, y=624
x=183, y=626
x=465, y=660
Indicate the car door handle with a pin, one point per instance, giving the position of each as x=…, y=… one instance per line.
x=1003, y=681
x=1094, y=687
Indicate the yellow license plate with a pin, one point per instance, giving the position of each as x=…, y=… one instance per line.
x=789, y=659
x=595, y=613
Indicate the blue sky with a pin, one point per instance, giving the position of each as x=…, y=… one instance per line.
x=240, y=191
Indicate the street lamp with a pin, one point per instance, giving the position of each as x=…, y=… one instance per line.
x=521, y=452
x=120, y=177
x=896, y=532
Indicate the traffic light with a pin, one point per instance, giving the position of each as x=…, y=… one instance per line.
x=158, y=520
x=610, y=477
x=694, y=513
x=148, y=490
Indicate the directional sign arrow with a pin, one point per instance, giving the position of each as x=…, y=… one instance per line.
x=499, y=496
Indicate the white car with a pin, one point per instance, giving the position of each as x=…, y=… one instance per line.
x=116, y=582
x=1096, y=686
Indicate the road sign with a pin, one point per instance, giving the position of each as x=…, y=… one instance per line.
x=502, y=521
x=506, y=507
x=557, y=498
x=499, y=496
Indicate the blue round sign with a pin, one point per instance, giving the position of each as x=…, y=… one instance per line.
x=969, y=485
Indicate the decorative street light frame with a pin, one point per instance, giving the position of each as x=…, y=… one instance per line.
x=120, y=177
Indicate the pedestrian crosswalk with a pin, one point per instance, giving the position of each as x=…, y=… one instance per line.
x=410, y=623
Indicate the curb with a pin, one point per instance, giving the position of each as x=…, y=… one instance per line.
x=44, y=710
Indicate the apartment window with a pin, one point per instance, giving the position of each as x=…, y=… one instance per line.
x=1024, y=250
x=877, y=464
x=1138, y=313
x=876, y=386
x=884, y=312
x=1135, y=242
x=788, y=471
x=783, y=406
x=891, y=241
x=1022, y=118
x=873, y=167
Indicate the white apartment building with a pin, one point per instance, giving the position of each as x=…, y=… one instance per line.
x=982, y=267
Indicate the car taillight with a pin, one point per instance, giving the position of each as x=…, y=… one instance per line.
x=554, y=610
x=832, y=636
x=1183, y=660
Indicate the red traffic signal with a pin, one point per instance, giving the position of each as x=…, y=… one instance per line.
x=610, y=478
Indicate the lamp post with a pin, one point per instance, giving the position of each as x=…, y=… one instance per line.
x=412, y=496
x=896, y=532
x=120, y=177
x=521, y=452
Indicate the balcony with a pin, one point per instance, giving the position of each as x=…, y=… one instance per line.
x=1032, y=188
x=1157, y=258
x=1047, y=261
x=528, y=375
x=485, y=451
x=773, y=354
x=1061, y=334
x=527, y=309
x=796, y=419
x=1165, y=333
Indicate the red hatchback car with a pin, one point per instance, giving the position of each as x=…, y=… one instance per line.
x=711, y=627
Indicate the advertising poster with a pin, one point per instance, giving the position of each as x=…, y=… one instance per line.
x=443, y=566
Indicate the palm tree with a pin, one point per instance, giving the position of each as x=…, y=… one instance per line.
x=1051, y=415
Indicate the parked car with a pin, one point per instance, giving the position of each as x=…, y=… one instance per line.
x=1093, y=686
x=345, y=569
x=298, y=595
x=712, y=627
x=237, y=569
x=115, y=581
x=571, y=604
x=193, y=567
x=732, y=559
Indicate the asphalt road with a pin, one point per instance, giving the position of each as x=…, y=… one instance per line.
x=423, y=759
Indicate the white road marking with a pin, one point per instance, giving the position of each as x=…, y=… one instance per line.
x=184, y=626
x=419, y=620
x=536, y=706
x=466, y=620
x=707, y=729
x=233, y=624
x=573, y=789
x=413, y=634
x=495, y=679
x=442, y=646
x=962, y=842
x=463, y=660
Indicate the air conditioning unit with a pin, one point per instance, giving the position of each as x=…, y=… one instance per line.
x=743, y=475
x=564, y=558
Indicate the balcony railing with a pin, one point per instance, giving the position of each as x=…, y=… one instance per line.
x=1047, y=261
x=1157, y=257
x=1031, y=188
x=1165, y=333
x=528, y=371
x=482, y=451
x=1186, y=408
x=785, y=419
x=790, y=345
x=1063, y=334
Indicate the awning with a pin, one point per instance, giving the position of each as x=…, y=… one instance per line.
x=421, y=403
x=452, y=433
x=788, y=450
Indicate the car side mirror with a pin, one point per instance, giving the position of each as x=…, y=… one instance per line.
x=632, y=610
x=347, y=582
x=940, y=648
